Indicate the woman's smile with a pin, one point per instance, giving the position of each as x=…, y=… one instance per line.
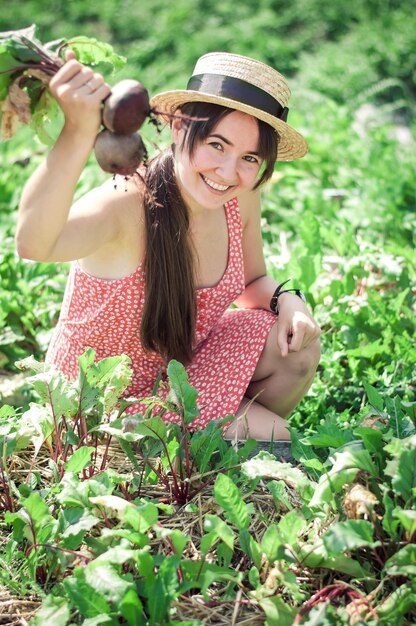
x=215, y=186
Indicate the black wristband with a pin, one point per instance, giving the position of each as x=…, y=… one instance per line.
x=274, y=302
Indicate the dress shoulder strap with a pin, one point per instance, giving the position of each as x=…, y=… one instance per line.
x=235, y=227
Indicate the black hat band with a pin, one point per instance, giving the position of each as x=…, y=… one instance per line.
x=240, y=91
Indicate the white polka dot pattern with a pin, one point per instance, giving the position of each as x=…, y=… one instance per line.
x=105, y=315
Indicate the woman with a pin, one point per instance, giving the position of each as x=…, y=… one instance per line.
x=153, y=274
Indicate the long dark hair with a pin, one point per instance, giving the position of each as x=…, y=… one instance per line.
x=169, y=314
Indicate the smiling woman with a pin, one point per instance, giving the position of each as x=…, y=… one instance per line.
x=156, y=267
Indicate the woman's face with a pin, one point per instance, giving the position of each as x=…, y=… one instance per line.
x=222, y=165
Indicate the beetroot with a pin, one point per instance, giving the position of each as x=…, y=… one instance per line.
x=119, y=154
x=119, y=149
x=126, y=107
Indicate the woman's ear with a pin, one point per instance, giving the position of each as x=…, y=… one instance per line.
x=176, y=128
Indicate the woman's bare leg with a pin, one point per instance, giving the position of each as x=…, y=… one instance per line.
x=278, y=385
x=279, y=382
x=255, y=421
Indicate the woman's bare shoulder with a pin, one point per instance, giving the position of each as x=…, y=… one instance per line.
x=118, y=201
x=249, y=205
x=118, y=193
x=119, y=207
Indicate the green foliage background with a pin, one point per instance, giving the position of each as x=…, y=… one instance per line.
x=341, y=221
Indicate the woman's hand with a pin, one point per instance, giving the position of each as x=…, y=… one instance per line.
x=79, y=92
x=296, y=327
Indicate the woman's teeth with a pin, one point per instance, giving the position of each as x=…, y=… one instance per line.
x=215, y=186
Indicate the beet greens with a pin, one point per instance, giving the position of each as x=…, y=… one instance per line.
x=26, y=67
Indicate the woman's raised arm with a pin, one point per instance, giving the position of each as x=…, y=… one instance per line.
x=48, y=195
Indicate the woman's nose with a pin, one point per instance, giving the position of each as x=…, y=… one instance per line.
x=228, y=170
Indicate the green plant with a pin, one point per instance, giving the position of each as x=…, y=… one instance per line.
x=93, y=541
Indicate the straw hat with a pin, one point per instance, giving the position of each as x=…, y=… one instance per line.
x=242, y=84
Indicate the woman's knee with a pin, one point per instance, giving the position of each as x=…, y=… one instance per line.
x=305, y=362
x=301, y=364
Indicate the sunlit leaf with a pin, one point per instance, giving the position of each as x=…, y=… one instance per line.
x=402, y=471
x=185, y=395
x=35, y=426
x=54, y=610
x=403, y=563
x=88, y=601
x=374, y=398
x=213, y=523
x=407, y=519
x=131, y=608
x=92, y=52
x=278, y=613
x=349, y=535
x=80, y=459
x=265, y=465
x=229, y=497
x=104, y=579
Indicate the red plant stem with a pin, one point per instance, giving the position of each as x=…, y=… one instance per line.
x=67, y=445
x=48, y=68
x=175, y=481
x=377, y=557
x=188, y=462
x=169, y=542
x=81, y=421
x=83, y=431
x=334, y=593
x=104, y=515
x=39, y=50
x=78, y=417
x=318, y=597
x=329, y=593
x=160, y=475
x=32, y=462
x=52, y=547
x=95, y=454
x=32, y=528
x=105, y=455
x=354, y=595
x=126, y=494
x=76, y=43
x=8, y=500
x=379, y=534
x=183, y=485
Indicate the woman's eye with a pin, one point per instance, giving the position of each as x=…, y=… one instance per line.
x=215, y=145
x=251, y=159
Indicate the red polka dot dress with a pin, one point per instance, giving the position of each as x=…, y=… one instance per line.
x=105, y=315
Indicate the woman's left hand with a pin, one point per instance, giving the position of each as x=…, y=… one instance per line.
x=296, y=328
